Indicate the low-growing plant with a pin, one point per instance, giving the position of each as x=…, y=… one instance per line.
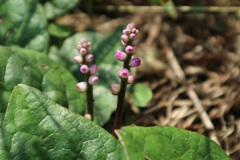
x=44, y=116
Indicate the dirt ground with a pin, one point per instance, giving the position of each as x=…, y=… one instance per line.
x=191, y=61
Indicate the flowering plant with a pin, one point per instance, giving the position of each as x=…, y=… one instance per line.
x=41, y=109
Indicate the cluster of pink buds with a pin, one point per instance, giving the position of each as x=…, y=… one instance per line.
x=130, y=43
x=84, y=59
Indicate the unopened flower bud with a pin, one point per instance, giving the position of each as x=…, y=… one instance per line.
x=126, y=31
x=123, y=73
x=84, y=40
x=83, y=51
x=130, y=79
x=130, y=26
x=78, y=59
x=135, y=62
x=120, y=55
x=115, y=88
x=135, y=31
x=84, y=69
x=82, y=86
x=89, y=57
x=123, y=43
x=132, y=36
x=93, y=69
x=93, y=80
x=129, y=49
x=125, y=38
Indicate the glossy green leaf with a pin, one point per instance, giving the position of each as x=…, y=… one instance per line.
x=104, y=49
x=168, y=143
x=23, y=24
x=37, y=70
x=35, y=127
x=141, y=95
x=54, y=8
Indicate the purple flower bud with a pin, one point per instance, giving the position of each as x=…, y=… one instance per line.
x=132, y=36
x=89, y=57
x=93, y=69
x=78, y=59
x=84, y=69
x=82, y=86
x=120, y=55
x=125, y=38
x=115, y=88
x=130, y=26
x=130, y=79
x=84, y=40
x=135, y=62
x=129, y=49
x=93, y=80
x=123, y=73
x=83, y=51
x=126, y=31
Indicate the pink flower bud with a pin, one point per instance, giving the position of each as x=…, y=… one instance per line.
x=89, y=57
x=132, y=36
x=79, y=46
x=129, y=49
x=130, y=79
x=123, y=73
x=135, y=31
x=93, y=80
x=125, y=38
x=84, y=40
x=78, y=59
x=126, y=31
x=135, y=62
x=93, y=69
x=130, y=26
x=115, y=88
x=120, y=55
x=136, y=42
x=84, y=69
x=82, y=86
x=83, y=51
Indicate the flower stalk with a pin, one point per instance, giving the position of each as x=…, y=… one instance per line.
x=129, y=41
x=84, y=59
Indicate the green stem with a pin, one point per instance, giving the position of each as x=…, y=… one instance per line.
x=120, y=102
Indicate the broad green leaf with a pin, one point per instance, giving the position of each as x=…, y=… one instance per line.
x=37, y=70
x=141, y=94
x=35, y=127
x=54, y=8
x=24, y=24
x=168, y=143
x=104, y=49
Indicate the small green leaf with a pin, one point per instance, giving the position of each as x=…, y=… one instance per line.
x=59, y=30
x=141, y=94
x=54, y=8
x=24, y=24
x=168, y=143
x=35, y=127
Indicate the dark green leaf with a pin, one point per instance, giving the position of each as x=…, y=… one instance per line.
x=24, y=24
x=168, y=143
x=141, y=94
x=37, y=70
x=35, y=127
